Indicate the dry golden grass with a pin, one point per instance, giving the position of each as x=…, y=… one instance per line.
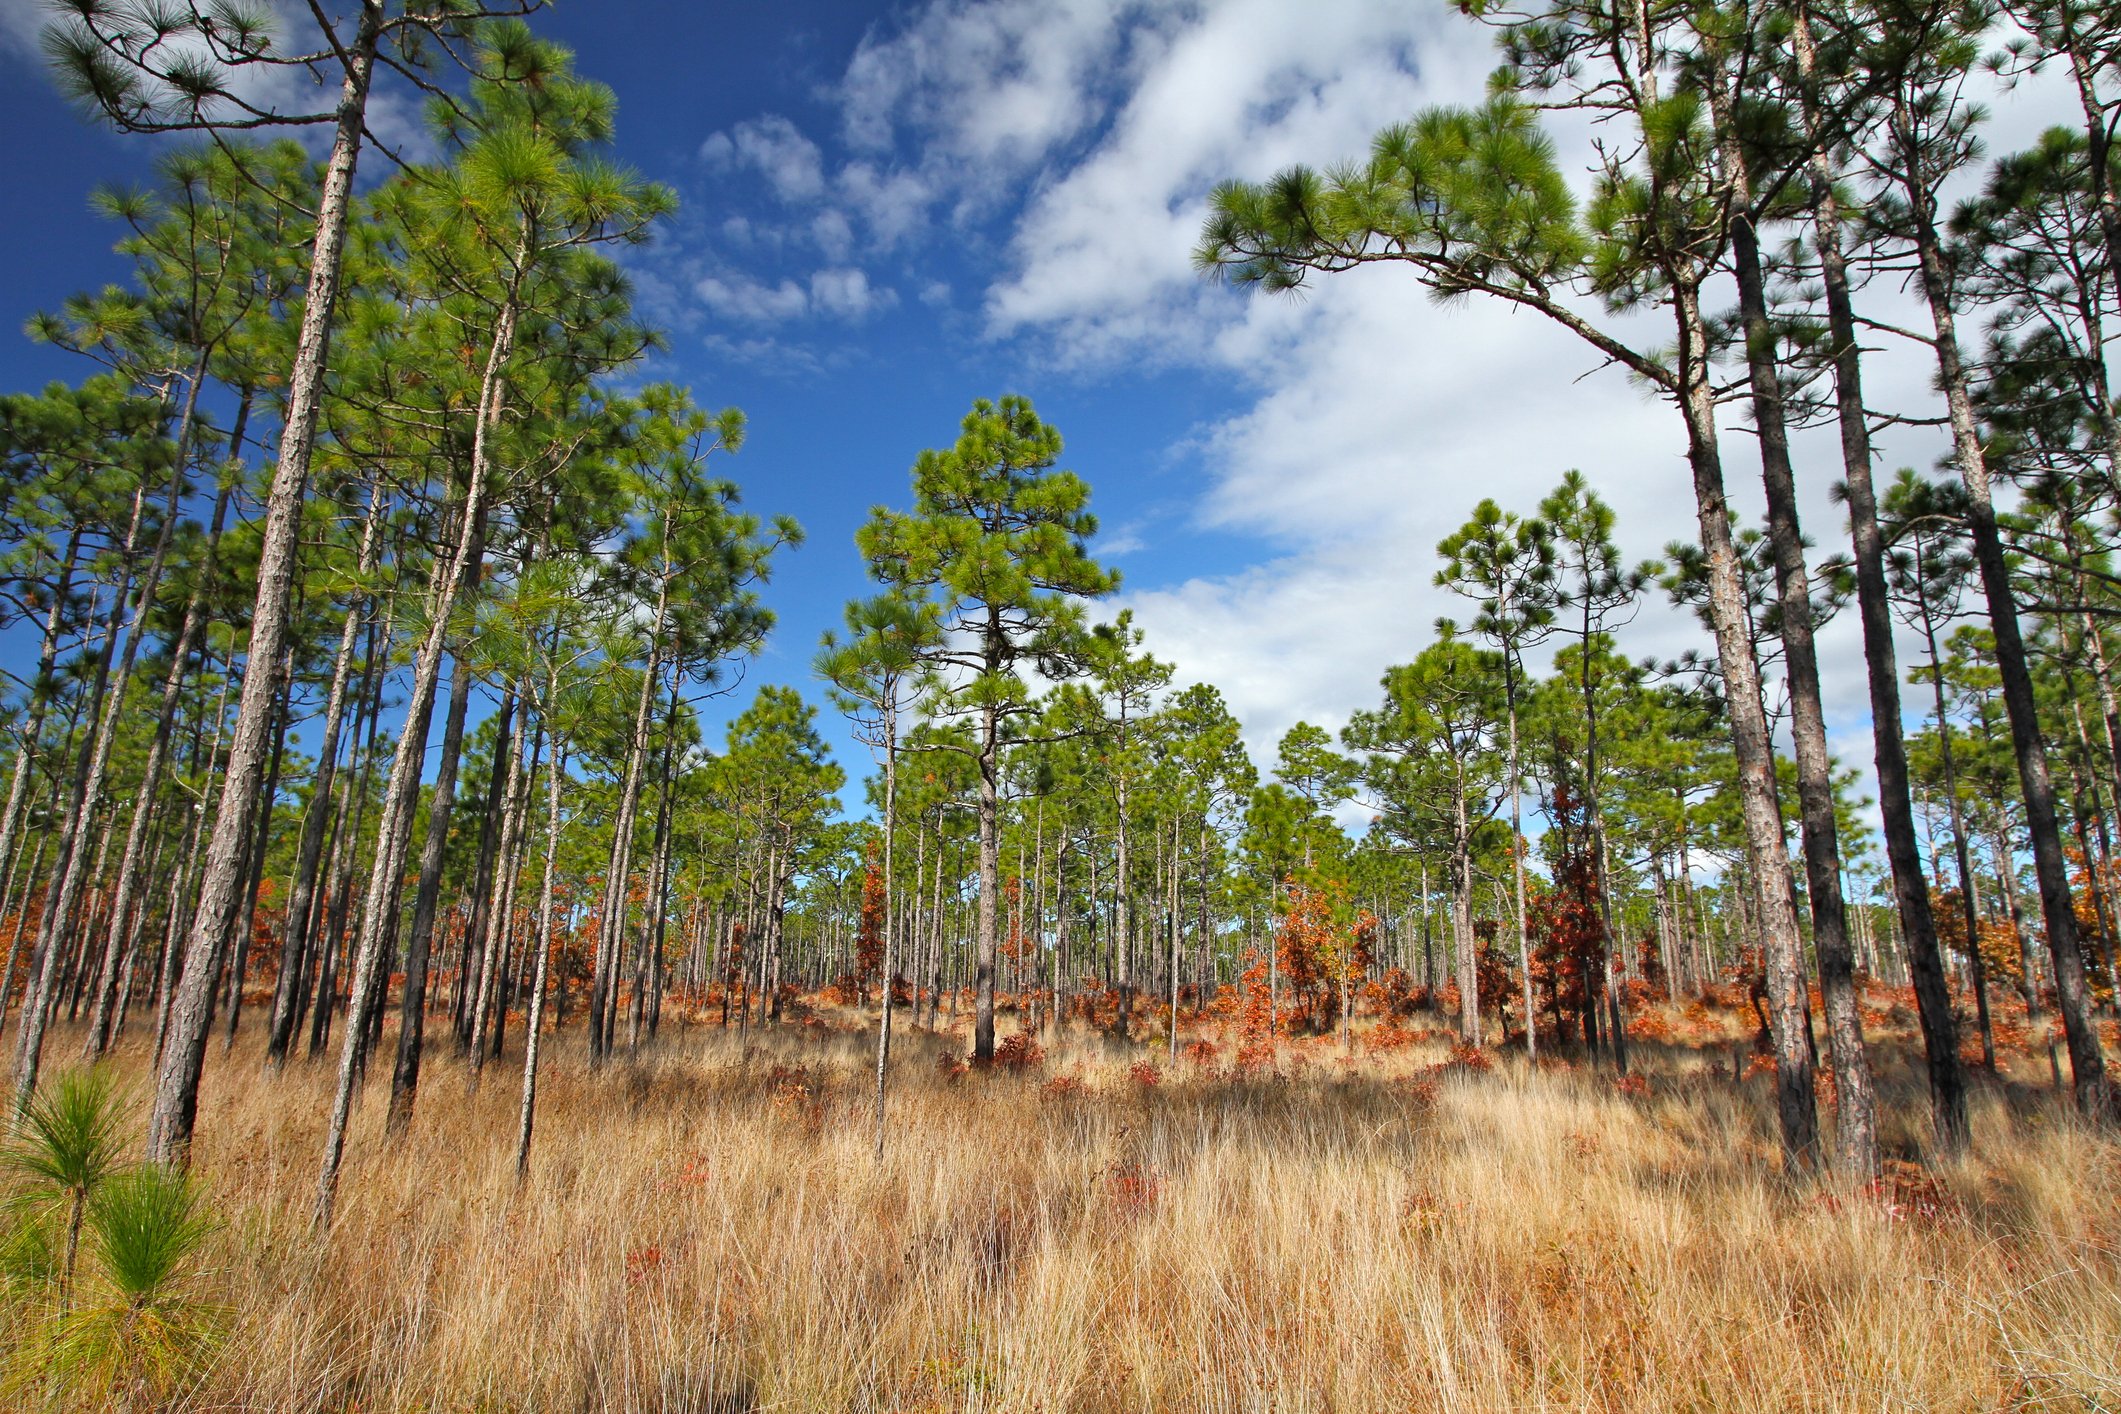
x=707, y=1231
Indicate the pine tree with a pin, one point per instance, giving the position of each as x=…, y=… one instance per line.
x=996, y=540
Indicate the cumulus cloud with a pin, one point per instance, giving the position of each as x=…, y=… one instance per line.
x=752, y=301
x=846, y=293
x=997, y=82
x=1358, y=455
x=892, y=202
x=776, y=149
x=1101, y=258
x=833, y=234
x=837, y=292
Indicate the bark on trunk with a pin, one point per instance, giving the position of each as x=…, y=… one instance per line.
x=989, y=918
x=412, y=1010
x=1857, y=1121
x=1782, y=945
x=1940, y=1031
x=177, y=1081
x=553, y=785
x=296, y=944
x=2072, y=995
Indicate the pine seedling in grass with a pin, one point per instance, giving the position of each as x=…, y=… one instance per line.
x=66, y=1146
x=139, y=1333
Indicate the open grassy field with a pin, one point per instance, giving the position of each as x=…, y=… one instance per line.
x=707, y=1229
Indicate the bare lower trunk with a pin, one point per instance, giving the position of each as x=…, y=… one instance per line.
x=1947, y=1081
x=296, y=942
x=1857, y=1122
x=412, y=1011
x=370, y=967
x=1517, y=842
x=554, y=782
x=254, y=872
x=646, y=958
x=122, y=933
x=603, y=991
x=1469, y=1028
x=2072, y=995
x=989, y=921
x=1782, y=945
x=26, y=750
x=177, y=1081
x=883, y=1024
x=514, y=827
x=68, y=867
x=472, y=951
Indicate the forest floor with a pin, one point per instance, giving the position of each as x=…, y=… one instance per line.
x=706, y=1229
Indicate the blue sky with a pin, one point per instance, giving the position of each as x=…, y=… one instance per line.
x=888, y=211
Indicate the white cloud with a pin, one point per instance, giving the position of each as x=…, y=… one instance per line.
x=1102, y=255
x=776, y=149
x=735, y=297
x=847, y=294
x=836, y=292
x=892, y=203
x=1113, y=544
x=833, y=234
x=997, y=82
x=1359, y=455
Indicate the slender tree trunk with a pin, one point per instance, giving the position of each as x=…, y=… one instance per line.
x=254, y=873
x=1857, y=1124
x=989, y=920
x=122, y=934
x=935, y=930
x=412, y=1010
x=883, y=1023
x=1517, y=842
x=179, y=890
x=646, y=960
x=1781, y=943
x=1469, y=1027
x=2098, y=133
x=1947, y=1081
x=1171, y=915
x=296, y=943
x=604, y=988
x=555, y=780
x=370, y=970
x=499, y=786
x=2072, y=994
x=177, y=1082
x=353, y=811
x=514, y=828
x=33, y=727
x=69, y=868
x=1122, y=943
